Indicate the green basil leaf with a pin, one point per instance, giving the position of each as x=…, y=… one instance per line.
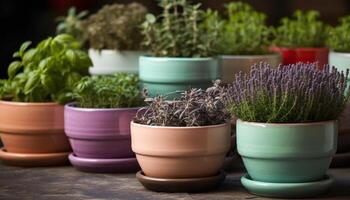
x=33, y=81
x=24, y=46
x=13, y=69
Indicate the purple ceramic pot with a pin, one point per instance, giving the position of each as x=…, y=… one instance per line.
x=99, y=133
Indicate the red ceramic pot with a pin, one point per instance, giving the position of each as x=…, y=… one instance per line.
x=294, y=55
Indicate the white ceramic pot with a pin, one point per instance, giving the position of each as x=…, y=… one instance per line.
x=112, y=61
x=232, y=64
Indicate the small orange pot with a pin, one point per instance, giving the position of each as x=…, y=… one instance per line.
x=32, y=127
x=180, y=152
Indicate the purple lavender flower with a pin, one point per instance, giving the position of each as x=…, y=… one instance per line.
x=288, y=94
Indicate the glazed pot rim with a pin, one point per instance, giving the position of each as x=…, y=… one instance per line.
x=302, y=48
x=15, y=103
x=178, y=58
x=181, y=127
x=287, y=124
x=269, y=55
x=113, y=51
x=70, y=106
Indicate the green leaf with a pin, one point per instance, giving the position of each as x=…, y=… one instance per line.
x=24, y=46
x=33, y=81
x=14, y=67
x=151, y=18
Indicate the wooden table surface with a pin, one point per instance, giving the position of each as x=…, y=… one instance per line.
x=66, y=183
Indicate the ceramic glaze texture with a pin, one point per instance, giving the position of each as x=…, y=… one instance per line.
x=32, y=127
x=162, y=75
x=306, y=55
x=112, y=61
x=232, y=64
x=99, y=133
x=287, y=153
x=340, y=60
x=180, y=152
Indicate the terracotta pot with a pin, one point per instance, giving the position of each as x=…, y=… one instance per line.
x=32, y=127
x=180, y=152
x=233, y=64
x=99, y=133
x=294, y=55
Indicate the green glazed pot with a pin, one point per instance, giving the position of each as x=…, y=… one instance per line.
x=287, y=153
x=163, y=75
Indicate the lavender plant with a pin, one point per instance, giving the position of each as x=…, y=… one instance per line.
x=289, y=94
x=195, y=107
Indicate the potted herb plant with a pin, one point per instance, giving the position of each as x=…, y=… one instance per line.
x=339, y=57
x=181, y=145
x=302, y=39
x=181, y=44
x=31, y=118
x=71, y=24
x=114, y=35
x=287, y=128
x=98, y=124
x=244, y=39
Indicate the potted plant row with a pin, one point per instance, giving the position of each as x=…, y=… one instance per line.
x=181, y=144
x=287, y=129
x=98, y=124
x=114, y=36
x=244, y=39
x=31, y=118
x=302, y=38
x=181, y=49
x=339, y=43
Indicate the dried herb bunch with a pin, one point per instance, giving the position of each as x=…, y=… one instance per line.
x=116, y=26
x=182, y=30
x=116, y=91
x=304, y=29
x=339, y=37
x=71, y=24
x=195, y=107
x=290, y=94
x=244, y=32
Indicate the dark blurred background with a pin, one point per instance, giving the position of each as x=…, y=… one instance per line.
x=35, y=20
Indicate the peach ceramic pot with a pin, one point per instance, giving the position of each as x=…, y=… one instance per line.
x=180, y=152
x=32, y=127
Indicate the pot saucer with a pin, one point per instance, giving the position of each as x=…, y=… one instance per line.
x=287, y=190
x=341, y=160
x=117, y=165
x=34, y=159
x=180, y=185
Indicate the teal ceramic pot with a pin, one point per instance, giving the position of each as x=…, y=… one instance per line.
x=287, y=153
x=163, y=75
